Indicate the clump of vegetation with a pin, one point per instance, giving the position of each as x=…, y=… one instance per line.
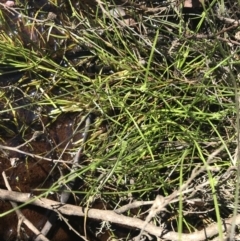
x=161, y=81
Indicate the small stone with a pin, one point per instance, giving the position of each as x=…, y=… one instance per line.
x=117, y=12
x=9, y=3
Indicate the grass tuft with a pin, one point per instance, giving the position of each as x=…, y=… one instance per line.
x=163, y=91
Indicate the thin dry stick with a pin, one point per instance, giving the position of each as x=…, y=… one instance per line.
x=229, y=20
x=21, y=217
x=111, y=216
x=29, y=154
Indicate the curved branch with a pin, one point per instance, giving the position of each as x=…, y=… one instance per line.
x=111, y=216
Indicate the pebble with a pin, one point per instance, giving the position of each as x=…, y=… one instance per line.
x=9, y=3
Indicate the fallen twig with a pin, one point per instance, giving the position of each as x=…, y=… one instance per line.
x=229, y=20
x=111, y=216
